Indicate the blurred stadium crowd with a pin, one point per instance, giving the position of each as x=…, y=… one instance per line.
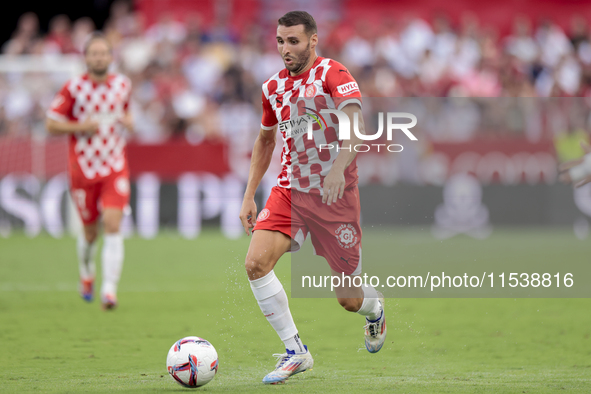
x=186, y=76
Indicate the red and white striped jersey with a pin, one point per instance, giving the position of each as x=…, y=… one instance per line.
x=103, y=153
x=292, y=102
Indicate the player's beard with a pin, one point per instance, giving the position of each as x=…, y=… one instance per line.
x=302, y=61
x=99, y=71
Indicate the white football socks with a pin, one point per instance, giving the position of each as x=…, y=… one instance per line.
x=371, y=307
x=112, y=262
x=273, y=302
x=86, y=253
x=295, y=344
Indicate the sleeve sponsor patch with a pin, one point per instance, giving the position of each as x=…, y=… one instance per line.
x=348, y=88
x=57, y=101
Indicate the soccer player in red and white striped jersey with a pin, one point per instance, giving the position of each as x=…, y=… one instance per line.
x=93, y=110
x=316, y=191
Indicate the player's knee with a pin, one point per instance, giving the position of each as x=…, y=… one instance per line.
x=90, y=233
x=350, y=304
x=111, y=226
x=91, y=238
x=256, y=267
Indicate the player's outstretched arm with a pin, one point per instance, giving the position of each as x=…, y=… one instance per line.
x=259, y=163
x=334, y=183
x=578, y=171
x=56, y=127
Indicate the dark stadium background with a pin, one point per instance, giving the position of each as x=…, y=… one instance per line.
x=98, y=10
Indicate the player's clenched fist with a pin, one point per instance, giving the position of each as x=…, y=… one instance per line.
x=89, y=126
x=248, y=214
x=127, y=122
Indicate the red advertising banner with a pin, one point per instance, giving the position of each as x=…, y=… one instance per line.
x=507, y=160
x=168, y=160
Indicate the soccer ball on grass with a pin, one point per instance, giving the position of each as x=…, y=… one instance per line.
x=192, y=362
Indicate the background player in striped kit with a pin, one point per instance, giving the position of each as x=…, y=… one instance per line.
x=93, y=110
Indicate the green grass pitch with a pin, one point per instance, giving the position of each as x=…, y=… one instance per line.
x=52, y=341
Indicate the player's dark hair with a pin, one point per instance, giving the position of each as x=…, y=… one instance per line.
x=294, y=18
x=97, y=35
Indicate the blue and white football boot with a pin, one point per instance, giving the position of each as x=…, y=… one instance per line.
x=289, y=364
x=375, y=331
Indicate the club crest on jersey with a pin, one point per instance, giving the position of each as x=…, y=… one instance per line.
x=310, y=91
x=263, y=215
x=346, y=236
